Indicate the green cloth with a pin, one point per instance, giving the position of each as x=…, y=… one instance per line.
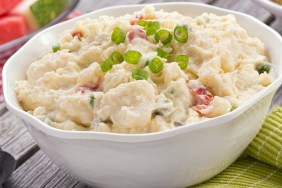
x=261, y=164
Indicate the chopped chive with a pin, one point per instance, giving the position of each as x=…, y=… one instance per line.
x=132, y=56
x=182, y=61
x=107, y=65
x=56, y=47
x=164, y=36
x=152, y=27
x=92, y=100
x=142, y=23
x=156, y=65
x=232, y=108
x=139, y=74
x=263, y=67
x=116, y=57
x=162, y=53
x=180, y=34
x=118, y=36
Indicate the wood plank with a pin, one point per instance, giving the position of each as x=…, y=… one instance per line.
x=81, y=185
x=277, y=25
x=165, y=1
x=39, y=171
x=208, y=1
x=248, y=7
x=3, y=108
x=277, y=99
x=15, y=138
x=87, y=6
x=62, y=179
x=33, y=172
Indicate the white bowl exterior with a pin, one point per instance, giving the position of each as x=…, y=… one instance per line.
x=181, y=161
x=176, y=158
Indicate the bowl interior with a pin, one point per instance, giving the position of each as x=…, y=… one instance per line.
x=16, y=66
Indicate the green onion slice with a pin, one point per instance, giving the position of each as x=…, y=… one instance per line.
x=152, y=27
x=142, y=23
x=139, y=74
x=181, y=34
x=56, y=47
x=164, y=36
x=107, y=65
x=182, y=61
x=118, y=36
x=156, y=65
x=263, y=67
x=116, y=57
x=132, y=57
x=162, y=53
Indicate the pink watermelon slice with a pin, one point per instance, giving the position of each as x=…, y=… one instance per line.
x=12, y=27
x=6, y=5
x=23, y=9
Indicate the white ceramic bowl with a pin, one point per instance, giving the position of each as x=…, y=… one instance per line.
x=272, y=7
x=176, y=158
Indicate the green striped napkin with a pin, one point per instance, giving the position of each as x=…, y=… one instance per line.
x=261, y=164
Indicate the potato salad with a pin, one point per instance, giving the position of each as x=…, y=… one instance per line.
x=144, y=72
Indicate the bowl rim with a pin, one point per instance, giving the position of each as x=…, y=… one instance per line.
x=68, y=9
x=144, y=137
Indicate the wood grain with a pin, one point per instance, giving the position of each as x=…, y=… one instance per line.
x=15, y=138
x=34, y=168
x=33, y=173
x=277, y=25
x=3, y=108
x=39, y=171
x=248, y=7
x=162, y=1
x=87, y=6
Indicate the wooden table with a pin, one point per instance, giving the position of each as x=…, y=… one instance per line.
x=34, y=169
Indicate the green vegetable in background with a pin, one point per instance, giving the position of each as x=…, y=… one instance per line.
x=45, y=11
